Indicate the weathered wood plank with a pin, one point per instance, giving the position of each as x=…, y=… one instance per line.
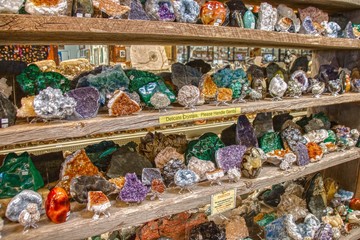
x=103, y=124
x=354, y=235
x=80, y=224
x=20, y=29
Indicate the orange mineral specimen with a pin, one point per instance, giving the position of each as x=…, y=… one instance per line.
x=209, y=88
x=119, y=182
x=75, y=165
x=213, y=13
x=224, y=94
x=315, y=151
x=49, y=3
x=121, y=104
x=57, y=205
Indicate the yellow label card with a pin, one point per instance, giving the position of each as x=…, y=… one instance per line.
x=224, y=201
x=199, y=115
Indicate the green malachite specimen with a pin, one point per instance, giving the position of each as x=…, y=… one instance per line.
x=32, y=80
x=140, y=78
x=18, y=173
x=100, y=153
x=271, y=141
x=331, y=138
x=268, y=218
x=204, y=148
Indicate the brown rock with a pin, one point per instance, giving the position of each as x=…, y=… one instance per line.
x=236, y=229
x=121, y=104
x=166, y=155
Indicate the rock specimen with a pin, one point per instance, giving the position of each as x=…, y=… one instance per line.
x=100, y=154
x=87, y=102
x=224, y=95
x=160, y=101
x=228, y=135
x=252, y=162
x=5, y=89
x=41, y=7
x=27, y=108
x=157, y=188
x=315, y=14
x=215, y=176
x=160, y=10
x=208, y=231
x=230, y=157
x=234, y=175
x=245, y=134
x=7, y=112
x=20, y=202
x=263, y=124
x=83, y=8
x=277, y=87
x=292, y=204
x=213, y=13
x=182, y=75
x=276, y=229
x=236, y=228
x=170, y=169
x=185, y=178
x=32, y=80
x=133, y=191
x=316, y=196
x=137, y=11
x=111, y=8
x=315, y=151
x=57, y=205
x=52, y=104
x=127, y=160
x=267, y=17
x=201, y=65
x=208, y=87
x=200, y=167
x=166, y=155
x=249, y=19
x=119, y=182
x=188, y=96
x=302, y=154
x=30, y=216
x=98, y=203
x=10, y=6
x=149, y=174
x=121, y=104
x=18, y=173
x=204, y=148
x=75, y=165
x=80, y=186
x=285, y=14
x=271, y=141
x=324, y=232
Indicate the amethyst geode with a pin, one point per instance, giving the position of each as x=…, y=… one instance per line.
x=301, y=153
x=230, y=157
x=324, y=232
x=87, y=102
x=133, y=191
x=245, y=134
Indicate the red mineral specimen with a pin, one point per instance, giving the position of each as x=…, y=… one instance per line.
x=57, y=205
x=355, y=204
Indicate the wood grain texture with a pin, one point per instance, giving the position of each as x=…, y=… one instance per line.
x=80, y=224
x=25, y=29
x=354, y=235
x=104, y=124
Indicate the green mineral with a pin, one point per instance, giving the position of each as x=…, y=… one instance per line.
x=331, y=138
x=271, y=141
x=140, y=78
x=18, y=173
x=204, y=148
x=249, y=19
x=268, y=218
x=32, y=80
x=100, y=153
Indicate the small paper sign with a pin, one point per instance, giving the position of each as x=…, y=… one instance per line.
x=224, y=201
x=199, y=115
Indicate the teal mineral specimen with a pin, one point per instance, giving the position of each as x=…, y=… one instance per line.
x=204, y=148
x=331, y=138
x=18, y=173
x=100, y=153
x=271, y=141
x=32, y=80
x=249, y=19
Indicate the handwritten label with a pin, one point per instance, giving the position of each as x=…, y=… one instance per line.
x=199, y=115
x=223, y=201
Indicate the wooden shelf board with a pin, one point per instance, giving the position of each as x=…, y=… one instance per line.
x=80, y=224
x=354, y=235
x=36, y=132
x=25, y=29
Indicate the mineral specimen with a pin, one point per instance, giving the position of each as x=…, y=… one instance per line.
x=52, y=104
x=41, y=7
x=335, y=86
x=166, y=155
x=185, y=178
x=213, y=13
x=182, y=75
x=300, y=76
x=32, y=80
x=236, y=228
x=7, y=112
x=252, y=162
x=20, y=202
x=234, y=175
x=204, y=148
x=263, y=124
x=270, y=141
x=188, y=96
x=249, y=19
x=224, y=95
x=318, y=136
x=10, y=6
x=324, y=232
x=133, y=191
x=87, y=102
x=215, y=176
x=315, y=152
x=208, y=231
x=157, y=188
x=277, y=87
x=80, y=186
x=5, y=89
x=160, y=10
x=83, y=8
x=137, y=11
x=30, y=216
x=149, y=174
x=316, y=196
x=348, y=31
x=245, y=134
x=209, y=88
x=309, y=26
x=100, y=153
x=286, y=12
x=315, y=14
x=27, y=108
x=186, y=11
x=292, y=204
x=272, y=196
x=200, y=167
x=57, y=205
x=76, y=164
x=267, y=17
x=18, y=173
x=119, y=182
x=276, y=230
x=98, y=203
x=230, y=157
x=332, y=29
x=148, y=90
x=111, y=8
x=121, y=104
x=160, y=101
x=170, y=170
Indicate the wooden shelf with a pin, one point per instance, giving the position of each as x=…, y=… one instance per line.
x=25, y=29
x=354, y=235
x=36, y=132
x=80, y=224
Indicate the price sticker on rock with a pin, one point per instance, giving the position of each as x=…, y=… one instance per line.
x=222, y=202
